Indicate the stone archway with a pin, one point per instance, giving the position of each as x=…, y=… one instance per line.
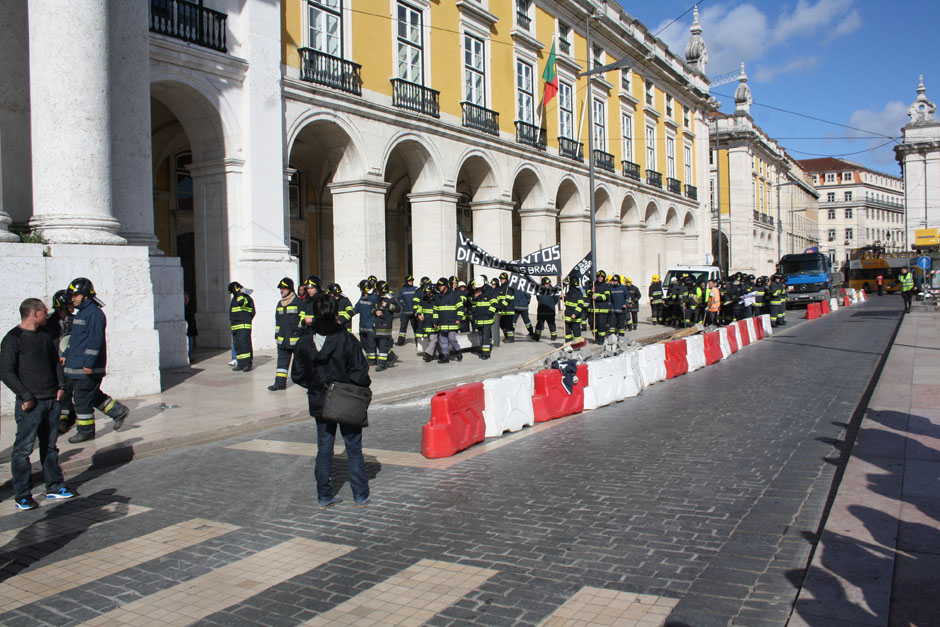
x=491, y=221
x=608, y=232
x=535, y=223
x=690, y=241
x=574, y=224
x=632, y=242
x=673, y=247
x=655, y=240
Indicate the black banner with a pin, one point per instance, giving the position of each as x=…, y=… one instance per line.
x=582, y=274
x=544, y=262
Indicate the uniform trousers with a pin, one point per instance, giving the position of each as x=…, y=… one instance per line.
x=407, y=318
x=367, y=339
x=88, y=396
x=241, y=340
x=545, y=319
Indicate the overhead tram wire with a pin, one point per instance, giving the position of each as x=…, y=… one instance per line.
x=684, y=13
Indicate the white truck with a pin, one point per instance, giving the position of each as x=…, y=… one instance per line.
x=698, y=274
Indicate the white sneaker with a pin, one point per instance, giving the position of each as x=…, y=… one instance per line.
x=234, y=362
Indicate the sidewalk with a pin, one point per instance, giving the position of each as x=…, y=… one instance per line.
x=207, y=401
x=878, y=558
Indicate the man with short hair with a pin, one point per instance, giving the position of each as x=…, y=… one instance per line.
x=30, y=367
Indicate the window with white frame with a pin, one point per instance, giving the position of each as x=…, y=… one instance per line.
x=669, y=107
x=524, y=14
x=849, y=234
x=687, y=162
x=325, y=26
x=651, y=148
x=600, y=125
x=410, y=44
x=831, y=214
x=564, y=38
x=686, y=118
x=848, y=214
x=670, y=156
x=831, y=197
x=832, y=235
x=598, y=56
x=474, y=71
x=565, y=110
x=848, y=195
x=649, y=93
x=830, y=177
x=625, y=79
x=846, y=177
x=524, y=94
x=626, y=136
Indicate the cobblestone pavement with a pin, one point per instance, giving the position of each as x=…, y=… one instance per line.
x=696, y=503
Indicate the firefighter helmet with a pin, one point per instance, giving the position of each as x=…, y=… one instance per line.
x=286, y=283
x=84, y=287
x=60, y=300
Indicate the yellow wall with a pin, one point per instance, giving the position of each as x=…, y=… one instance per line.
x=373, y=45
x=724, y=195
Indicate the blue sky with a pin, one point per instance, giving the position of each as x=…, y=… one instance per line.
x=854, y=62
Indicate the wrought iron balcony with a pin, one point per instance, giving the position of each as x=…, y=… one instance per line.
x=631, y=170
x=604, y=160
x=182, y=19
x=674, y=185
x=571, y=149
x=654, y=178
x=756, y=215
x=414, y=97
x=691, y=192
x=325, y=69
x=531, y=135
x=480, y=118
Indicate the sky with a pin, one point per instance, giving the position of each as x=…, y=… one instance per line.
x=852, y=62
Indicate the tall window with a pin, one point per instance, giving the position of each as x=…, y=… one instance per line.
x=831, y=197
x=625, y=79
x=523, y=19
x=325, y=26
x=649, y=93
x=651, y=148
x=848, y=214
x=832, y=214
x=474, y=71
x=565, y=111
x=687, y=161
x=849, y=234
x=669, y=109
x=671, y=157
x=524, y=97
x=564, y=38
x=410, y=45
x=598, y=56
x=600, y=125
x=626, y=138
x=832, y=235
x=848, y=195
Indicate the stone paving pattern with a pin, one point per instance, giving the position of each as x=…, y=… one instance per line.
x=703, y=495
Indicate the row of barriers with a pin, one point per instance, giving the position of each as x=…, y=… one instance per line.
x=466, y=415
x=849, y=297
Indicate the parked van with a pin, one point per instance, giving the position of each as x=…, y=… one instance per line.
x=698, y=274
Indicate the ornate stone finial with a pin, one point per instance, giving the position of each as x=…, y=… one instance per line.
x=696, y=53
x=922, y=109
x=742, y=95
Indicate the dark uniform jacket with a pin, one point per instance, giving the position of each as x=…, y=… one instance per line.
x=618, y=297
x=340, y=360
x=575, y=304
x=601, y=297
x=389, y=306
x=505, y=298
x=547, y=303
x=241, y=311
x=656, y=293
x=406, y=298
x=634, y=296
x=448, y=311
x=87, y=347
x=288, y=322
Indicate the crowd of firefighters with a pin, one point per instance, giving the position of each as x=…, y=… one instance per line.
x=440, y=313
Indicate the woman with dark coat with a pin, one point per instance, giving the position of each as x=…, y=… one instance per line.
x=331, y=354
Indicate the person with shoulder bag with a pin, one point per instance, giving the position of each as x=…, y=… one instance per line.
x=330, y=364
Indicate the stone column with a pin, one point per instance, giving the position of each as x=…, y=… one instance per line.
x=632, y=255
x=132, y=176
x=656, y=259
x=71, y=122
x=690, y=250
x=358, y=230
x=538, y=228
x=15, y=192
x=673, y=249
x=575, y=239
x=492, y=229
x=608, y=245
x=434, y=229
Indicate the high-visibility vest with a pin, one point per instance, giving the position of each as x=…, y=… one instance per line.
x=714, y=300
x=907, y=282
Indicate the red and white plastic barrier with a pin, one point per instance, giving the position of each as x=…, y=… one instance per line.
x=606, y=382
x=724, y=343
x=751, y=331
x=456, y=421
x=766, y=325
x=652, y=360
x=695, y=352
x=676, y=360
x=508, y=403
x=550, y=399
x=633, y=381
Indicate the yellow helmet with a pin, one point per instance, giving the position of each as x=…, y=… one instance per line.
x=655, y=277
x=628, y=280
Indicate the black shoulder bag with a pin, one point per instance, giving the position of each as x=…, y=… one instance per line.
x=345, y=403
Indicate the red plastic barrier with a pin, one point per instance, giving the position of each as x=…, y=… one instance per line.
x=759, y=327
x=732, y=339
x=676, y=360
x=550, y=401
x=742, y=327
x=813, y=311
x=712, y=347
x=862, y=296
x=824, y=304
x=456, y=421
x=846, y=301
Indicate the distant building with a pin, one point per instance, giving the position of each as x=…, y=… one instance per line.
x=763, y=205
x=919, y=156
x=857, y=206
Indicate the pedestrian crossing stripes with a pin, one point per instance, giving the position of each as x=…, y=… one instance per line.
x=233, y=583
x=599, y=606
x=75, y=521
x=411, y=597
x=34, y=585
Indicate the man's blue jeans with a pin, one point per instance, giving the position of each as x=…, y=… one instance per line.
x=42, y=421
x=358, y=480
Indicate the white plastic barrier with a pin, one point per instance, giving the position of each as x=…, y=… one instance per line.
x=652, y=360
x=508, y=402
x=606, y=383
x=852, y=294
x=862, y=297
x=751, y=331
x=833, y=304
x=464, y=340
x=695, y=351
x=765, y=322
x=633, y=380
x=723, y=342
x=736, y=329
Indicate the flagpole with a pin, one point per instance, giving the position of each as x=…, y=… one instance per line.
x=589, y=102
x=538, y=126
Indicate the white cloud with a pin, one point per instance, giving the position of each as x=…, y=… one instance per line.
x=851, y=23
x=807, y=19
x=887, y=122
x=765, y=74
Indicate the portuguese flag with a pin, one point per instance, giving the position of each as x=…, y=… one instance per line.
x=551, y=77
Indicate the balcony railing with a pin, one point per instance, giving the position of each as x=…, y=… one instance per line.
x=190, y=22
x=571, y=149
x=531, y=135
x=756, y=215
x=480, y=118
x=654, y=178
x=691, y=192
x=417, y=98
x=325, y=69
x=674, y=185
x=604, y=160
x=631, y=170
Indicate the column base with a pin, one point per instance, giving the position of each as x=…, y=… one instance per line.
x=5, y=235
x=66, y=229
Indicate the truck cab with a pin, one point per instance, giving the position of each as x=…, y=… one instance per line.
x=810, y=277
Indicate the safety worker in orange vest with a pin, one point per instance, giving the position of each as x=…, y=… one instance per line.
x=880, y=280
x=713, y=304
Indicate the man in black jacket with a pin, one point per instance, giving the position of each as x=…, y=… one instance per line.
x=241, y=313
x=29, y=365
x=287, y=330
x=331, y=354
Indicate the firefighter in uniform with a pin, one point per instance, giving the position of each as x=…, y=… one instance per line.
x=427, y=327
x=618, y=305
x=465, y=298
x=406, y=298
x=241, y=312
x=547, y=304
x=59, y=328
x=777, y=294
x=448, y=312
x=656, y=300
x=600, y=307
x=384, y=310
x=288, y=327
x=520, y=305
x=575, y=306
x=308, y=289
x=633, y=303
x=343, y=305
x=86, y=359
x=363, y=308
x=505, y=308
x=482, y=313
